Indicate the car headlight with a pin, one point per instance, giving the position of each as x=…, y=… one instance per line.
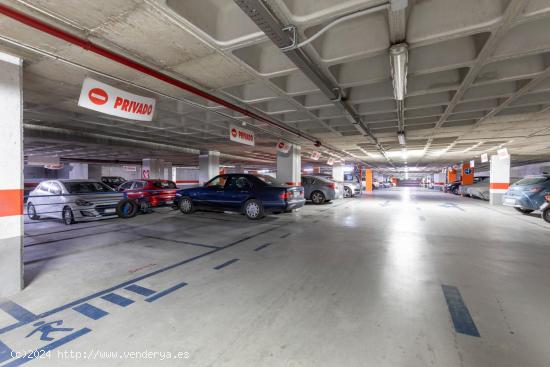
x=82, y=202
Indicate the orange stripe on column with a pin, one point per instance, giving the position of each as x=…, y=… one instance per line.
x=11, y=202
x=499, y=185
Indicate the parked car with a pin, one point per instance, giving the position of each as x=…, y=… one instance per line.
x=73, y=200
x=479, y=189
x=252, y=195
x=527, y=195
x=320, y=189
x=150, y=193
x=352, y=186
x=113, y=181
x=452, y=187
x=545, y=208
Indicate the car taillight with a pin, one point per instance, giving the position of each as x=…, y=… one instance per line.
x=547, y=197
x=332, y=185
x=284, y=195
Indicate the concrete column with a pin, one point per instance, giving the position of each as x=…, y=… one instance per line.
x=467, y=174
x=289, y=166
x=499, y=179
x=239, y=168
x=152, y=168
x=209, y=166
x=439, y=181
x=78, y=171
x=11, y=176
x=338, y=172
x=167, y=171
x=368, y=180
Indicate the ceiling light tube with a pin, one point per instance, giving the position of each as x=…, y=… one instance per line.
x=398, y=62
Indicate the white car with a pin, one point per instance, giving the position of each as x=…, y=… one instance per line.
x=73, y=200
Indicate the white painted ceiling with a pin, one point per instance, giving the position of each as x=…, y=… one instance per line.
x=478, y=78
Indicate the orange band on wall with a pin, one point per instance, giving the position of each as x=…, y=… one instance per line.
x=294, y=183
x=499, y=185
x=11, y=202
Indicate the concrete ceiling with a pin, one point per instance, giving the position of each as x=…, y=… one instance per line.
x=478, y=78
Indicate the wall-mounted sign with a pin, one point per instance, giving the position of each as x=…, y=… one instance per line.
x=330, y=161
x=283, y=146
x=54, y=166
x=129, y=168
x=484, y=158
x=42, y=160
x=472, y=163
x=315, y=155
x=104, y=98
x=240, y=135
x=503, y=153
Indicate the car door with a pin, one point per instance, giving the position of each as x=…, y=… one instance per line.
x=57, y=200
x=237, y=190
x=306, y=183
x=212, y=195
x=126, y=188
x=40, y=197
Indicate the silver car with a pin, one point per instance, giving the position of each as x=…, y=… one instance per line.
x=73, y=200
x=321, y=189
x=352, y=186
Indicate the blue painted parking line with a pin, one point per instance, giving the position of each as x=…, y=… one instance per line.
x=90, y=311
x=5, y=352
x=41, y=351
x=165, y=292
x=140, y=290
x=262, y=246
x=16, y=311
x=117, y=299
x=227, y=263
x=131, y=281
x=462, y=320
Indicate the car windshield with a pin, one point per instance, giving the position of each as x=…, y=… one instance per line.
x=271, y=181
x=164, y=184
x=532, y=181
x=85, y=187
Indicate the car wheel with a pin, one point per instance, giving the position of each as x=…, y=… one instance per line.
x=317, y=197
x=68, y=217
x=347, y=192
x=187, y=206
x=31, y=212
x=127, y=208
x=253, y=209
x=524, y=211
x=145, y=206
x=546, y=215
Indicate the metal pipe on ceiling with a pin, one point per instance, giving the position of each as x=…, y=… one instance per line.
x=99, y=50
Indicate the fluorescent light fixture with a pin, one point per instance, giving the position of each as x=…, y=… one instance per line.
x=398, y=61
x=404, y=154
x=401, y=138
x=348, y=169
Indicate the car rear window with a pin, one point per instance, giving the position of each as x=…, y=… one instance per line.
x=532, y=181
x=86, y=187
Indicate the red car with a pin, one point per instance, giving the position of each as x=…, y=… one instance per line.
x=150, y=193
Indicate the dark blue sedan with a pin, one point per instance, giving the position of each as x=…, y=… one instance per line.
x=248, y=194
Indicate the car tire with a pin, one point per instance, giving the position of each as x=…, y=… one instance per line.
x=127, y=208
x=31, y=212
x=347, y=192
x=524, y=211
x=546, y=215
x=253, y=209
x=145, y=206
x=68, y=216
x=186, y=206
x=317, y=197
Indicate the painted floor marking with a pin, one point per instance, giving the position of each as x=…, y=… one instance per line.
x=117, y=299
x=16, y=311
x=90, y=311
x=262, y=246
x=227, y=263
x=165, y=292
x=462, y=320
x=140, y=290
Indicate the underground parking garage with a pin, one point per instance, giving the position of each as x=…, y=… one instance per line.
x=274, y=183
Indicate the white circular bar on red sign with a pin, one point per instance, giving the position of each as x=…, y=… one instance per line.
x=107, y=99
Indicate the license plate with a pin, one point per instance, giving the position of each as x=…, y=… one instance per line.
x=510, y=201
x=111, y=210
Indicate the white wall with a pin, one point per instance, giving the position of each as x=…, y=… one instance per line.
x=117, y=170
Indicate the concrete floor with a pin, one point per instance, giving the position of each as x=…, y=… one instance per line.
x=357, y=282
